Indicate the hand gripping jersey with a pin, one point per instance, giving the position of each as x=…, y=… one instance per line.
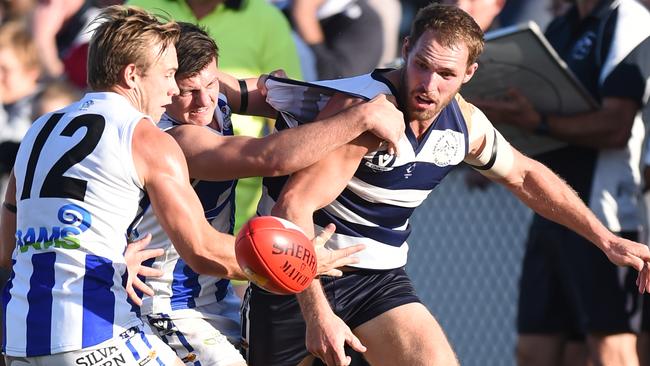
x=375, y=207
x=181, y=289
x=77, y=191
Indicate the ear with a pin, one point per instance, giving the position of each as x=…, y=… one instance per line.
x=406, y=47
x=130, y=75
x=471, y=69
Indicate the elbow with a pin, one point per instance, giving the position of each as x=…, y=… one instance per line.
x=291, y=207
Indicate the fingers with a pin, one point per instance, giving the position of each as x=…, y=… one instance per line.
x=355, y=343
x=347, y=251
x=141, y=243
x=132, y=295
x=324, y=235
x=143, y=255
x=333, y=273
x=279, y=73
x=150, y=272
x=393, y=148
x=138, y=284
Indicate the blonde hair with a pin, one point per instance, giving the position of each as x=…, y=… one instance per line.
x=125, y=35
x=15, y=35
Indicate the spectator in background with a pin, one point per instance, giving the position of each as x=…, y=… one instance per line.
x=55, y=95
x=345, y=36
x=61, y=31
x=484, y=12
x=390, y=14
x=246, y=51
x=15, y=9
x=607, y=45
x=19, y=74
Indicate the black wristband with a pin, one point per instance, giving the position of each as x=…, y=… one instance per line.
x=543, y=128
x=243, y=94
x=10, y=207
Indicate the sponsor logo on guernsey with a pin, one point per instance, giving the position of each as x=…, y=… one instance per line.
x=74, y=220
x=445, y=148
x=381, y=161
x=109, y=356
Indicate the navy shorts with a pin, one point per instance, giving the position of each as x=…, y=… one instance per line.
x=273, y=327
x=569, y=286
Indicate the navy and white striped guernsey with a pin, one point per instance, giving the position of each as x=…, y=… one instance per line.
x=180, y=288
x=375, y=206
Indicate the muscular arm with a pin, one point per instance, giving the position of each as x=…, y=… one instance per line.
x=162, y=169
x=305, y=192
x=8, y=225
x=213, y=157
x=548, y=195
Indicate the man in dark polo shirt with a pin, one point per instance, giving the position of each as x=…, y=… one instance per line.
x=567, y=287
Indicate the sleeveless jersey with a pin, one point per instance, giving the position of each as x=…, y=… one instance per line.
x=180, y=288
x=375, y=206
x=77, y=192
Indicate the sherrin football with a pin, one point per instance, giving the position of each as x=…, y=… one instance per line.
x=276, y=255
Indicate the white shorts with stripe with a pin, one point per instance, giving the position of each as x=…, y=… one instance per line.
x=198, y=341
x=137, y=346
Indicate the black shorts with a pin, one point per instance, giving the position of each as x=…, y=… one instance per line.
x=273, y=327
x=569, y=286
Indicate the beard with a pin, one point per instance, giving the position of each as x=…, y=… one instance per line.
x=408, y=95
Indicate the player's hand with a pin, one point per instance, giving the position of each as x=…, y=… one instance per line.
x=625, y=252
x=643, y=279
x=326, y=337
x=261, y=81
x=514, y=109
x=329, y=260
x=134, y=255
x=386, y=121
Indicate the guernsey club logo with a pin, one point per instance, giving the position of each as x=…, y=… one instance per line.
x=446, y=148
x=74, y=220
x=381, y=161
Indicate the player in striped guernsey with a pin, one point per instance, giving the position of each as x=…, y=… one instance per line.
x=370, y=194
x=193, y=312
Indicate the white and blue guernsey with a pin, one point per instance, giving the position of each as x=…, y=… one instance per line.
x=77, y=191
x=181, y=292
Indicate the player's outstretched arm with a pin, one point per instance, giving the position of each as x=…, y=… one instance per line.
x=162, y=169
x=548, y=195
x=8, y=224
x=289, y=150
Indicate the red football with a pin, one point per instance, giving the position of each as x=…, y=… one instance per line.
x=276, y=255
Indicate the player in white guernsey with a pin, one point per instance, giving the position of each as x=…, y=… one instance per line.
x=370, y=194
x=78, y=178
x=192, y=312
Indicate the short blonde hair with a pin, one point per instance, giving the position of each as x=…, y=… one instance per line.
x=125, y=35
x=15, y=35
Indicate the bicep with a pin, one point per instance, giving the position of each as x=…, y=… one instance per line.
x=162, y=168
